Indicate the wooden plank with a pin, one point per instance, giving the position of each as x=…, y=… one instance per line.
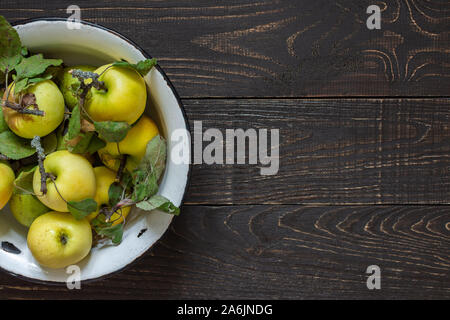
x=276, y=252
x=258, y=48
x=342, y=151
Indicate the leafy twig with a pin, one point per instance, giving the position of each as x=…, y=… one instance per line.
x=86, y=75
x=36, y=143
x=108, y=212
x=22, y=109
x=123, y=162
x=84, y=88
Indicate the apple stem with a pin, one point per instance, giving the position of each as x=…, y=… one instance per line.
x=108, y=212
x=22, y=109
x=84, y=88
x=36, y=143
x=85, y=75
x=123, y=162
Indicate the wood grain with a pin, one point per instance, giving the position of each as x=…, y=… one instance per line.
x=276, y=252
x=343, y=151
x=364, y=174
x=257, y=48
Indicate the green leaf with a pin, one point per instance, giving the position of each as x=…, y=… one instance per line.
x=159, y=202
x=106, y=229
x=39, y=79
x=115, y=233
x=95, y=144
x=14, y=147
x=155, y=156
x=3, y=126
x=35, y=65
x=145, y=185
x=50, y=143
x=84, y=143
x=81, y=209
x=112, y=131
x=143, y=67
x=24, y=182
x=147, y=174
x=80, y=144
x=24, y=51
x=10, y=46
x=74, y=124
x=24, y=84
x=115, y=194
x=20, y=86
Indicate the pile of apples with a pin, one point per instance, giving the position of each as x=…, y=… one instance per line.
x=55, y=238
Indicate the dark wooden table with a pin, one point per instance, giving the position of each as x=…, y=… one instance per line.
x=364, y=119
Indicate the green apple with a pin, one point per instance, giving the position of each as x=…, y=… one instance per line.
x=58, y=240
x=105, y=178
x=125, y=97
x=68, y=83
x=6, y=183
x=49, y=99
x=134, y=145
x=26, y=208
x=74, y=180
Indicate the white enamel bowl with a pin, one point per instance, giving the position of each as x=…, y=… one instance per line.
x=96, y=45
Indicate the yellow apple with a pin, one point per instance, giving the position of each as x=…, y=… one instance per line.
x=124, y=100
x=105, y=178
x=6, y=183
x=49, y=99
x=134, y=145
x=58, y=240
x=26, y=208
x=67, y=83
x=75, y=180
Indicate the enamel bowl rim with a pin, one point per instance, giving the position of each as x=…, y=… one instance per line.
x=180, y=104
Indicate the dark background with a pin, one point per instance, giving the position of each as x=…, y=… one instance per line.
x=364, y=158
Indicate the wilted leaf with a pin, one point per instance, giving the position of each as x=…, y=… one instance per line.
x=84, y=143
x=87, y=126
